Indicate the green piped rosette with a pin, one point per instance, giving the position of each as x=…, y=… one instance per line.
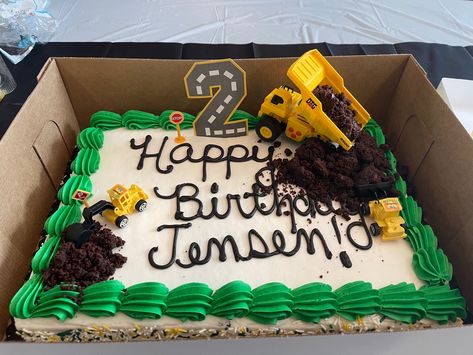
x=401, y=186
x=232, y=300
x=45, y=254
x=23, y=303
x=145, y=300
x=61, y=219
x=75, y=182
x=411, y=211
x=313, y=302
x=90, y=137
x=87, y=162
x=106, y=120
x=402, y=302
x=102, y=299
x=374, y=130
x=444, y=304
x=135, y=119
x=59, y=301
x=271, y=302
x=191, y=301
x=357, y=299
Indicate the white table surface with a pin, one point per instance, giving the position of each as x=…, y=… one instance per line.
x=264, y=21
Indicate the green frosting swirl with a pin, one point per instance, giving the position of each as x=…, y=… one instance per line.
x=135, y=119
x=106, y=120
x=421, y=236
x=374, y=130
x=444, y=304
x=313, y=302
x=102, y=299
x=45, y=254
x=432, y=266
x=271, y=302
x=411, y=212
x=23, y=303
x=392, y=161
x=61, y=219
x=164, y=122
x=402, y=302
x=57, y=302
x=90, y=137
x=67, y=190
x=357, y=299
x=190, y=301
x=87, y=162
x=401, y=186
x=232, y=300
x=145, y=300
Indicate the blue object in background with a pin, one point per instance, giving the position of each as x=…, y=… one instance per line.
x=22, y=24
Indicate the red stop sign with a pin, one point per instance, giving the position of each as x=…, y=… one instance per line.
x=176, y=117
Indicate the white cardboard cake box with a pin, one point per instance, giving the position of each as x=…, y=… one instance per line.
x=424, y=133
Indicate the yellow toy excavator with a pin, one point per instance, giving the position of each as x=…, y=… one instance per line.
x=302, y=112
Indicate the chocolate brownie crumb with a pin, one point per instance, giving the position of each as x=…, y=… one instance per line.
x=95, y=261
x=336, y=106
x=327, y=174
x=288, y=152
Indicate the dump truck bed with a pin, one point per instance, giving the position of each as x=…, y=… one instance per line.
x=312, y=70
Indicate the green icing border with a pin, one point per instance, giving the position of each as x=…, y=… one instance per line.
x=265, y=304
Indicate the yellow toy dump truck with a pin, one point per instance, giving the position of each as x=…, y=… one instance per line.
x=302, y=112
x=388, y=222
x=125, y=202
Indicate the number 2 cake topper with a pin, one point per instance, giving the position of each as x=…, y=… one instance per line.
x=230, y=81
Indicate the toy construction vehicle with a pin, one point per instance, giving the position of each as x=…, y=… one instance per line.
x=386, y=212
x=123, y=201
x=302, y=112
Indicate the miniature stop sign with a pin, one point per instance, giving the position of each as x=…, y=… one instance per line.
x=177, y=118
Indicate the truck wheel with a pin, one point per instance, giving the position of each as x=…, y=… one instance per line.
x=121, y=221
x=365, y=209
x=141, y=205
x=375, y=229
x=268, y=129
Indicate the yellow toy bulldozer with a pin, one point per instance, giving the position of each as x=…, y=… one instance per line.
x=125, y=202
x=388, y=222
x=302, y=112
